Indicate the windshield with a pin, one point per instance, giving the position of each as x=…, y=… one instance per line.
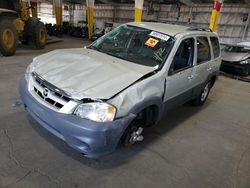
x=237, y=49
x=137, y=45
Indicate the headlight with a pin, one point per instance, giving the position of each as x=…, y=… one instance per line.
x=96, y=111
x=30, y=69
x=247, y=61
x=28, y=72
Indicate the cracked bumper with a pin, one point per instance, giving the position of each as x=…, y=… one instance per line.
x=93, y=139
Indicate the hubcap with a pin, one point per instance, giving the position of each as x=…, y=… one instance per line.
x=136, y=136
x=205, y=93
x=8, y=38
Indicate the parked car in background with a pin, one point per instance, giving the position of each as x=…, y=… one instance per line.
x=97, y=97
x=235, y=59
x=244, y=43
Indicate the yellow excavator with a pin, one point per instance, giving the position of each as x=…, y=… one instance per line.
x=16, y=25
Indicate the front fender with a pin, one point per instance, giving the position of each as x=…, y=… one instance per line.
x=154, y=101
x=140, y=96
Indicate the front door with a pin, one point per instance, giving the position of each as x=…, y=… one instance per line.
x=180, y=75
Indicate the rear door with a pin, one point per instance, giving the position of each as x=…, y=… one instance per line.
x=215, y=64
x=202, y=67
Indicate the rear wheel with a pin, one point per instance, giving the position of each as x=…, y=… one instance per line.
x=201, y=99
x=8, y=38
x=39, y=35
x=36, y=34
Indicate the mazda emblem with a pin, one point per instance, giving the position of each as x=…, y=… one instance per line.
x=45, y=92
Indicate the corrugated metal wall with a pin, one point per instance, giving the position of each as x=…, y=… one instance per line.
x=231, y=26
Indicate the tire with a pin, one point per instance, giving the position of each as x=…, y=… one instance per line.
x=130, y=132
x=202, y=97
x=37, y=35
x=8, y=38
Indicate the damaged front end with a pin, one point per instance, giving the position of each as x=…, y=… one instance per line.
x=92, y=138
x=92, y=126
x=89, y=97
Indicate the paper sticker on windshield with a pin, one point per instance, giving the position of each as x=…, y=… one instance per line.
x=159, y=36
x=151, y=42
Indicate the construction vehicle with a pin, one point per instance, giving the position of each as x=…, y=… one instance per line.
x=16, y=25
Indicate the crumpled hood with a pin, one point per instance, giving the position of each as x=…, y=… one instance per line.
x=85, y=73
x=234, y=57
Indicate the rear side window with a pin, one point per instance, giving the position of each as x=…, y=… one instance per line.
x=216, y=46
x=203, y=50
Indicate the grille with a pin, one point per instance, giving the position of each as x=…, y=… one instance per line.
x=48, y=100
x=54, y=97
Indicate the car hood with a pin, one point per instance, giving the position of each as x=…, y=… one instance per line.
x=234, y=57
x=86, y=73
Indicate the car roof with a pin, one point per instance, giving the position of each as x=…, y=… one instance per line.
x=244, y=43
x=169, y=29
x=236, y=45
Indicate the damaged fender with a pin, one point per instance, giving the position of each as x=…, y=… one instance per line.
x=140, y=96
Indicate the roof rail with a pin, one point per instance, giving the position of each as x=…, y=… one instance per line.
x=198, y=29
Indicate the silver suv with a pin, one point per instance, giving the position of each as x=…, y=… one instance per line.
x=97, y=97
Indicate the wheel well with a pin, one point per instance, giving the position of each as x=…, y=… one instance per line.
x=213, y=79
x=148, y=116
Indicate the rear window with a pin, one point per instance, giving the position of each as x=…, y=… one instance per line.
x=203, y=50
x=216, y=46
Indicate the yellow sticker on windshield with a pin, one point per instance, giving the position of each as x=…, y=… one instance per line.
x=151, y=42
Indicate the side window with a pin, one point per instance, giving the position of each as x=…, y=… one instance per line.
x=216, y=46
x=184, y=56
x=203, y=50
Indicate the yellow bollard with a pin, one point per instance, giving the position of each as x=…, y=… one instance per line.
x=58, y=12
x=215, y=15
x=33, y=4
x=138, y=10
x=90, y=16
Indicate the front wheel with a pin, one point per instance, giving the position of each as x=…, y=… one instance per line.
x=8, y=38
x=201, y=99
x=132, y=135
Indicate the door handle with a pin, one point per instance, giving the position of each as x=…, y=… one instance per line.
x=209, y=69
x=191, y=77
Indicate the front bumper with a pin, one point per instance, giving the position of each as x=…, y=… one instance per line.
x=93, y=139
x=234, y=68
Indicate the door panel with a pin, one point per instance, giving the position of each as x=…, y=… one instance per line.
x=203, y=62
x=179, y=81
x=178, y=84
